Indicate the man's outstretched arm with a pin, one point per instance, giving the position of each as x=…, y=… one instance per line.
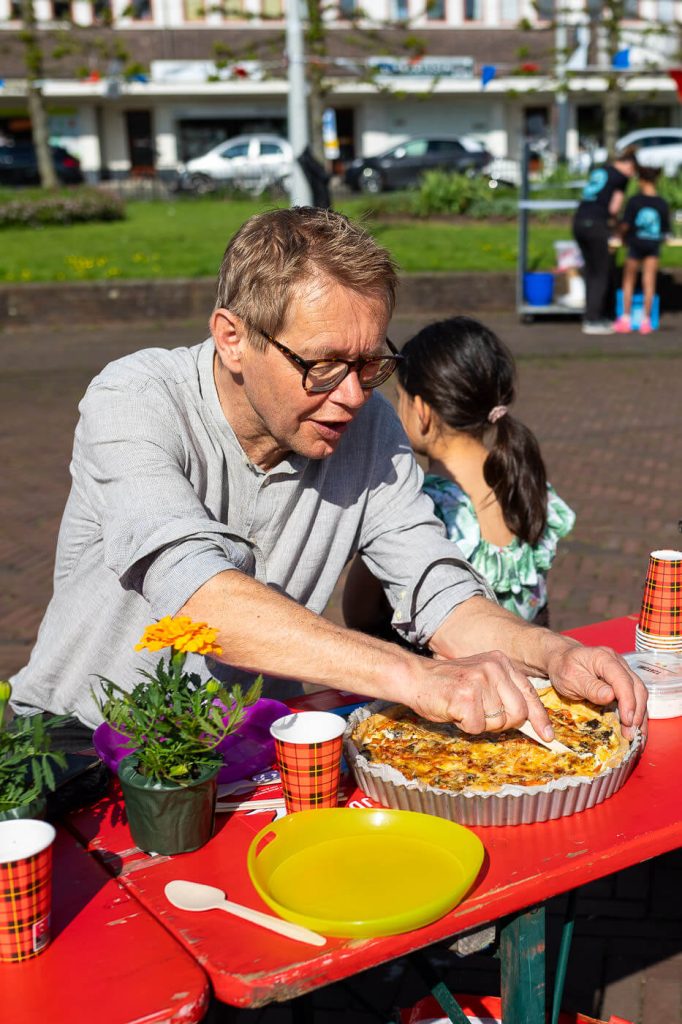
x=261, y=630
x=595, y=673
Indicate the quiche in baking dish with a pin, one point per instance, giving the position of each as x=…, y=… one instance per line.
x=440, y=755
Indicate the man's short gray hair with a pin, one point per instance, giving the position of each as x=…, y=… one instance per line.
x=274, y=252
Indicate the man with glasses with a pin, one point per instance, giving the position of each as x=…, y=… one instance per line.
x=232, y=482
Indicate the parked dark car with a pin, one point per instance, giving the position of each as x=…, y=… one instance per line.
x=19, y=165
x=403, y=165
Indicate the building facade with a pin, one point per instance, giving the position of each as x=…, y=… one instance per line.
x=138, y=86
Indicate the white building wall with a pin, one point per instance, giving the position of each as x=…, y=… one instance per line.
x=88, y=143
x=166, y=137
x=42, y=10
x=116, y=141
x=170, y=13
x=385, y=122
x=491, y=12
x=81, y=12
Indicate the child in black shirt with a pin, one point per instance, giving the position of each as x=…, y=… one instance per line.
x=646, y=222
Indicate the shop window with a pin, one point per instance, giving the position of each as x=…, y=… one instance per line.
x=61, y=10
x=435, y=10
x=272, y=9
x=15, y=10
x=195, y=10
x=472, y=10
x=545, y=9
x=536, y=122
x=140, y=141
x=346, y=9
x=101, y=12
x=630, y=10
x=401, y=10
x=230, y=8
x=139, y=10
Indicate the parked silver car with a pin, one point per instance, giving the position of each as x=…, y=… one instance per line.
x=656, y=147
x=252, y=163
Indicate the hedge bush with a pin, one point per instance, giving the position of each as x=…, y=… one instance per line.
x=73, y=206
x=444, y=193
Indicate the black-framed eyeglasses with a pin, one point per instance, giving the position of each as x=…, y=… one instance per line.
x=320, y=375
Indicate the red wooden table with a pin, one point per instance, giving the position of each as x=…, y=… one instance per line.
x=523, y=867
x=108, y=961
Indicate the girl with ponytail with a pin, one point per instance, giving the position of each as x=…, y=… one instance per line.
x=485, y=473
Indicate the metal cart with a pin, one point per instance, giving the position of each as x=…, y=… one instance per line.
x=526, y=206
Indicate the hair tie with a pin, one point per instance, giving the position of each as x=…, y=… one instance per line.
x=497, y=413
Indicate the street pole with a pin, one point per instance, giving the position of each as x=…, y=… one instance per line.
x=561, y=44
x=297, y=108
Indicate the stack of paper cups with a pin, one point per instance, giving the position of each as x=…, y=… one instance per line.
x=660, y=620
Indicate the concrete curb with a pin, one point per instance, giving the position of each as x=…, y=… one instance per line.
x=424, y=294
x=188, y=298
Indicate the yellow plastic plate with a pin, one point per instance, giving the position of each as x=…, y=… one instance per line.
x=366, y=873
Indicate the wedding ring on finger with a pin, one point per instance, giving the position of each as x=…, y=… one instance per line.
x=494, y=714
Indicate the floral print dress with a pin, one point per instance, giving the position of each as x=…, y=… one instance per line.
x=517, y=572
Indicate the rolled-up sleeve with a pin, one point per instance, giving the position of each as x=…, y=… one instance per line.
x=158, y=537
x=424, y=575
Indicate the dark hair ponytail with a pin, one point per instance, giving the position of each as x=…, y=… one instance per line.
x=464, y=371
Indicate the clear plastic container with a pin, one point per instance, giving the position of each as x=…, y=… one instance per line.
x=661, y=673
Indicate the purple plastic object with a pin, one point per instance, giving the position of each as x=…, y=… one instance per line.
x=246, y=751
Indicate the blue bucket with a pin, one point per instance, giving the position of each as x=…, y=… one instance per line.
x=538, y=288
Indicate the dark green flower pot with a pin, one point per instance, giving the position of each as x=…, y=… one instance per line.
x=165, y=817
x=34, y=809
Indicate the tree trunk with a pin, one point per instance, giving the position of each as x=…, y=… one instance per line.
x=316, y=71
x=611, y=113
x=317, y=102
x=36, y=106
x=614, y=12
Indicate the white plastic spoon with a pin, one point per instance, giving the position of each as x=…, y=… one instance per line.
x=195, y=896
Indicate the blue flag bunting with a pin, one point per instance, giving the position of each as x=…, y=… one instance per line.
x=621, y=60
x=488, y=72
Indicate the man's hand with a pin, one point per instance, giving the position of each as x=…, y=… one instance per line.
x=599, y=675
x=483, y=693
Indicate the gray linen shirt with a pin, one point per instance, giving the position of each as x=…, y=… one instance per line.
x=163, y=498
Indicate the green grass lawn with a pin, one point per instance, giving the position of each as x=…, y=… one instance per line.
x=186, y=238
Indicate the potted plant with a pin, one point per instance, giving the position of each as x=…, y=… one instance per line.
x=26, y=762
x=175, y=723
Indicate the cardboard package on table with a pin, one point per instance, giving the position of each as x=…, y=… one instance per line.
x=481, y=1010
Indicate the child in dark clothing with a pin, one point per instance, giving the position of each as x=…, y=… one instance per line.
x=645, y=223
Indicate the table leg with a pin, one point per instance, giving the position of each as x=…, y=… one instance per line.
x=564, y=950
x=439, y=989
x=522, y=961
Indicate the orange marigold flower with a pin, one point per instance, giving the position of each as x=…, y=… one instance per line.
x=182, y=635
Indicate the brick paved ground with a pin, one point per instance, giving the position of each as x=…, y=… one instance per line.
x=607, y=415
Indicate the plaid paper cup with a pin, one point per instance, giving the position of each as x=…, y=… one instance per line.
x=308, y=748
x=25, y=888
x=661, y=613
